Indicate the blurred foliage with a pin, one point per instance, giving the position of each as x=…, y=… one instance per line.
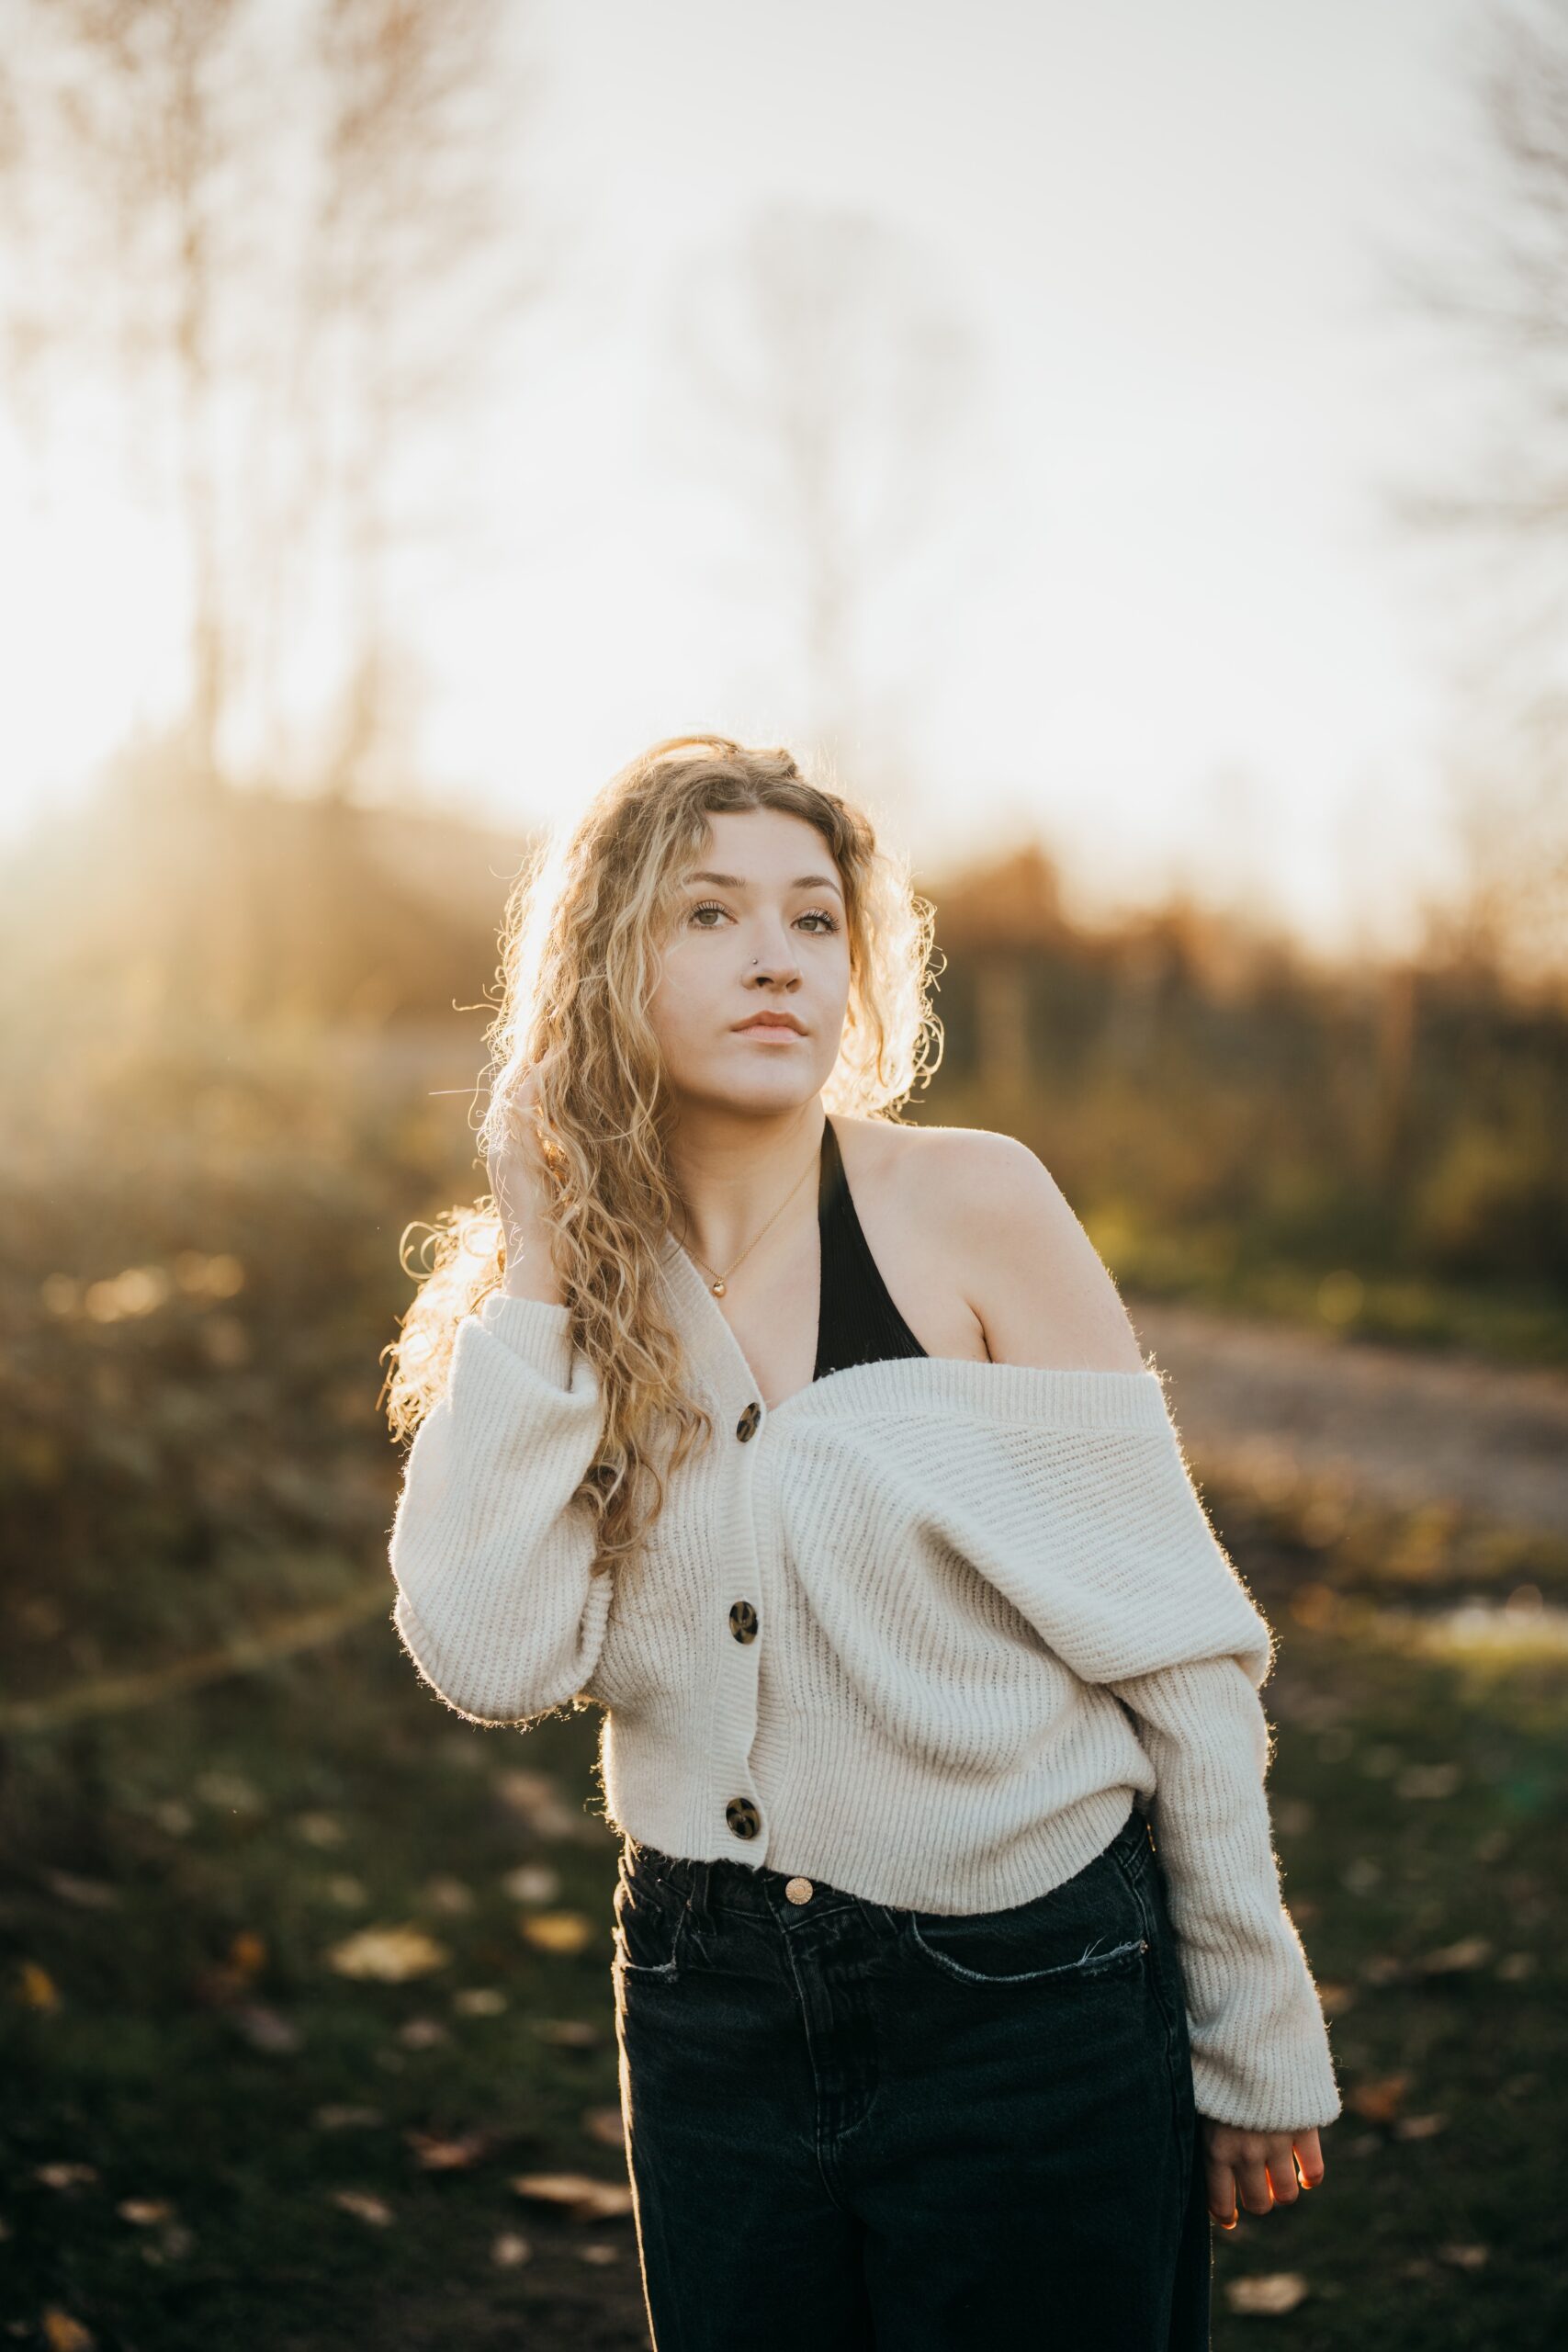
x=1238, y=1123
x=200, y=1267
x=1235, y=1119
x=222, y=1131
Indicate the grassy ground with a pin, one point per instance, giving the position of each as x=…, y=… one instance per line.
x=214, y=2134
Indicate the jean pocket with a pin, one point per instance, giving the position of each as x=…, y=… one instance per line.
x=1088, y=1931
x=648, y=1924
x=1149, y=1887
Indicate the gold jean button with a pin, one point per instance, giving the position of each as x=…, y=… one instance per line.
x=800, y=1890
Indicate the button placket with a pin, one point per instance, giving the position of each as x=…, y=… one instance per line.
x=761, y=1763
x=735, y=1719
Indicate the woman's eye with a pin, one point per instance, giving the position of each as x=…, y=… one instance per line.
x=815, y=915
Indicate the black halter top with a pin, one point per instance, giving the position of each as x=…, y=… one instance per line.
x=857, y=1321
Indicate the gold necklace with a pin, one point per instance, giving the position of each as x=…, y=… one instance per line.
x=720, y=1283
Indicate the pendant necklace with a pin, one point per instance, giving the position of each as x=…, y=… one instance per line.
x=720, y=1284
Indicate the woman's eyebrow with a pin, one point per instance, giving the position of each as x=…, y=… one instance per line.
x=734, y=881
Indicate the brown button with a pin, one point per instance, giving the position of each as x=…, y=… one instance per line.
x=743, y=1621
x=800, y=1890
x=747, y=1425
x=744, y=1816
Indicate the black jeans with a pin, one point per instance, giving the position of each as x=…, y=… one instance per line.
x=856, y=2128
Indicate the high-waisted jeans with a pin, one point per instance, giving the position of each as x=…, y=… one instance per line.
x=856, y=2128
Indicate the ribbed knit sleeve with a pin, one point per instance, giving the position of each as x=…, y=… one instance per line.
x=1123, y=1574
x=1157, y=1615
x=495, y=1603
x=1260, y=2056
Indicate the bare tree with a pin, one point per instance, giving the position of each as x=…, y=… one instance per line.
x=125, y=157
x=291, y=245
x=823, y=381
x=412, y=267
x=1497, y=296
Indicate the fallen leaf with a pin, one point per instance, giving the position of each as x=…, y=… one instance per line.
x=64, y=2175
x=509, y=2249
x=389, y=1955
x=364, y=2206
x=599, y=2250
x=38, y=1989
x=145, y=2211
x=532, y=1882
x=1379, y=2100
x=88, y=1894
x=586, y=2198
x=480, y=2001
x=320, y=1830
x=556, y=1930
x=538, y=1798
x=453, y=1897
x=1471, y=1952
x=422, y=2034
x=439, y=2153
x=566, y=2033
x=1466, y=2258
x=605, y=2125
x=63, y=2334
x=1420, y=2127
x=1270, y=2293
x=267, y=2029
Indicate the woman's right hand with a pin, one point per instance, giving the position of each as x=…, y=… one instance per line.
x=518, y=1181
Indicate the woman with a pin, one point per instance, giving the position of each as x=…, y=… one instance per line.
x=954, y=1991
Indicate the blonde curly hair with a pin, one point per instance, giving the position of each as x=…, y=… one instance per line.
x=579, y=943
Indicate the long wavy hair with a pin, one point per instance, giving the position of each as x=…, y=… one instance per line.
x=580, y=943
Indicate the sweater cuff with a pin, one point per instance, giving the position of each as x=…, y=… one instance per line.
x=539, y=1333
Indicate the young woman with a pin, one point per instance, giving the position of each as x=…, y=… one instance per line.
x=954, y=1991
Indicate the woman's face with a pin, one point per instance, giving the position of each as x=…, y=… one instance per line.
x=760, y=929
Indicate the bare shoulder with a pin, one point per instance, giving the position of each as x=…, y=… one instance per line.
x=1041, y=1291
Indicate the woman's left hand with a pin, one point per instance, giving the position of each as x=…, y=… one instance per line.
x=1259, y=2168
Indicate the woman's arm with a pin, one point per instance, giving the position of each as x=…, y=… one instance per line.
x=1260, y=2056
x=496, y=1605
x=1157, y=1616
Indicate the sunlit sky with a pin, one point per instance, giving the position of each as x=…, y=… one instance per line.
x=1158, y=619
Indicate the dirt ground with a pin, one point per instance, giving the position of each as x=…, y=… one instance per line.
x=1397, y=1426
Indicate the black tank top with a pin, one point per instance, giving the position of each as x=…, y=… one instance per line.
x=857, y=1321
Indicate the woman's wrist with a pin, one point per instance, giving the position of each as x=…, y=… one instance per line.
x=531, y=1275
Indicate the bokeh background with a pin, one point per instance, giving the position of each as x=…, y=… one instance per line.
x=1124, y=448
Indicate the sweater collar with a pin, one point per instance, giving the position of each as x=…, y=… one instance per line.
x=1053, y=1398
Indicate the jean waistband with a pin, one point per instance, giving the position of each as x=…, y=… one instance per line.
x=749, y=1886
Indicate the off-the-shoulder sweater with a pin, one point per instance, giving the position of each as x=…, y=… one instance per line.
x=982, y=1611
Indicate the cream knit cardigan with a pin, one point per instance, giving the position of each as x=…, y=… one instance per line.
x=991, y=1611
